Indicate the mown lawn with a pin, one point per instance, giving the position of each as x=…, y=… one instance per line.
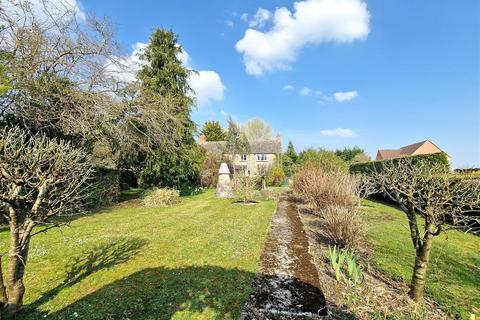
x=195, y=260
x=453, y=279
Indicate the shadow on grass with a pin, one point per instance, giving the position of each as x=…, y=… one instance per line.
x=152, y=293
x=159, y=293
x=103, y=256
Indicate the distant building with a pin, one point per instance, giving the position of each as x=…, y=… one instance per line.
x=424, y=147
x=262, y=156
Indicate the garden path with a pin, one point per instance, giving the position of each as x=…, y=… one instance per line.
x=287, y=286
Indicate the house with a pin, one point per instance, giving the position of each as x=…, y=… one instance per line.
x=423, y=147
x=262, y=156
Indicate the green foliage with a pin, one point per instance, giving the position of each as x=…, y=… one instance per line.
x=348, y=154
x=163, y=72
x=324, y=159
x=338, y=259
x=213, y=131
x=4, y=80
x=179, y=170
x=291, y=153
x=105, y=189
x=372, y=166
x=161, y=197
x=276, y=177
x=289, y=160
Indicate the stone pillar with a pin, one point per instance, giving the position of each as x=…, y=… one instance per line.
x=224, y=185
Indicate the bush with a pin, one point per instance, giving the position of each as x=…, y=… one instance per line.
x=322, y=188
x=105, y=189
x=161, y=197
x=276, y=177
x=271, y=193
x=323, y=159
x=245, y=187
x=372, y=166
x=180, y=170
x=344, y=226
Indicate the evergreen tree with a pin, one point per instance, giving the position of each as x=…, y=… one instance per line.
x=291, y=153
x=213, y=131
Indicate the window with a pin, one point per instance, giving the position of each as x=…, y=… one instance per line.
x=261, y=157
x=243, y=157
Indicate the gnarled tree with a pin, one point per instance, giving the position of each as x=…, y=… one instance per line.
x=40, y=179
x=431, y=193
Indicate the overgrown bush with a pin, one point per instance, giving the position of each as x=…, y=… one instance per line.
x=324, y=188
x=335, y=197
x=161, y=197
x=276, y=177
x=344, y=226
x=245, y=187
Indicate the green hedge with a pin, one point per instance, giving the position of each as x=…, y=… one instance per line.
x=371, y=166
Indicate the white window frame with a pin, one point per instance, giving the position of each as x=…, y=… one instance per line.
x=262, y=157
x=243, y=157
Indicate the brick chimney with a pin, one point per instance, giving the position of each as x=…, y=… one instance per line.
x=202, y=139
x=279, y=138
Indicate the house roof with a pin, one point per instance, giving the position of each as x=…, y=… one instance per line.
x=422, y=147
x=267, y=147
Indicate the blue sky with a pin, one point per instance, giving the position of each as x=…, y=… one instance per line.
x=404, y=71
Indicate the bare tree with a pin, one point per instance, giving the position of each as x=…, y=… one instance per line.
x=40, y=178
x=69, y=81
x=257, y=130
x=430, y=192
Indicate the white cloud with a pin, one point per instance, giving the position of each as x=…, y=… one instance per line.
x=339, y=132
x=207, y=84
x=224, y=113
x=229, y=23
x=244, y=17
x=305, y=91
x=312, y=22
x=260, y=18
x=288, y=87
x=124, y=69
x=345, y=96
x=208, y=87
x=48, y=10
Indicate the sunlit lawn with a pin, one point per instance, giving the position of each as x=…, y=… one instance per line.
x=195, y=260
x=453, y=279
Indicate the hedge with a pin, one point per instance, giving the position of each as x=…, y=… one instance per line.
x=371, y=166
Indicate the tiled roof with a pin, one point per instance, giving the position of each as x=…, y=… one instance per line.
x=409, y=150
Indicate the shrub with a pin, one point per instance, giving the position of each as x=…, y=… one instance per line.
x=271, y=193
x=344, y=226
x=245, y=187
x=180, y=170
x=322, y=188
x=161, y=197
x=105, y=189
x=372, y=166
x=209, y=170
x=276, y=177
x=323, y=159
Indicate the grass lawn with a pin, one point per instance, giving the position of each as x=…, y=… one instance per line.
x=195, y=260
x=453, y=278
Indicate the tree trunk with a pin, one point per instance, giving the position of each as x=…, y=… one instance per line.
x=17, y=261
x=422, y=258
x=3, y=292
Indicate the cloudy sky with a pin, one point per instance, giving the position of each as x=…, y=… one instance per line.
x=326, y=73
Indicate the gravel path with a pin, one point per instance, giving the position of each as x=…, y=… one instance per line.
x=287, y=285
